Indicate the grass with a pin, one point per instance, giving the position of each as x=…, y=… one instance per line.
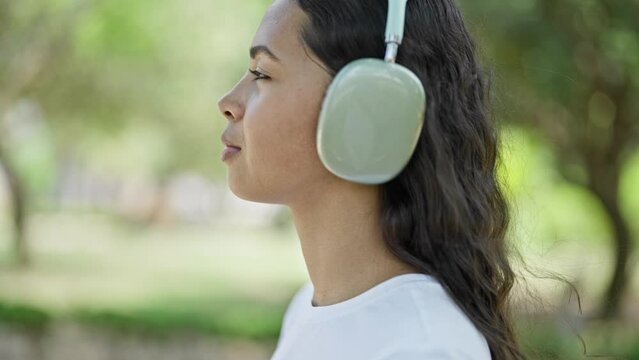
x=90, y=269
x=240, y=318
x=90, y=261
x=24, y=315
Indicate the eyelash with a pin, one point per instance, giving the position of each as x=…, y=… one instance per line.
x=259, y=75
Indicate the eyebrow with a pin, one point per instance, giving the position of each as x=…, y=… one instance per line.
x=258, y=49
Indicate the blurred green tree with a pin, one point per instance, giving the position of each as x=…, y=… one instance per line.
x=569, y=71
x=32, y=40
x=126, y=87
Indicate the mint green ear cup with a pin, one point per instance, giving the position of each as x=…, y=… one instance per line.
x=370, y=121
x=372, y=114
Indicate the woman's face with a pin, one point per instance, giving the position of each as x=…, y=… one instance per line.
x=273, y=119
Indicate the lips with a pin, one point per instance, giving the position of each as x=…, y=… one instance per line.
x=231, y=148
x=229, y=152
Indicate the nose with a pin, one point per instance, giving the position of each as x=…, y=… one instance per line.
x=231, y=107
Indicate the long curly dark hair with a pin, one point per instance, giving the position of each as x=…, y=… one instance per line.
x=445, y=213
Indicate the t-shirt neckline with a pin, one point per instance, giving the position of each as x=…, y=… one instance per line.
x=326, y=311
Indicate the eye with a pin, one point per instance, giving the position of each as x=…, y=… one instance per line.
x=258, y=75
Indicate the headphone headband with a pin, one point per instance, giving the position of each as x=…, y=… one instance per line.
x=394, y=28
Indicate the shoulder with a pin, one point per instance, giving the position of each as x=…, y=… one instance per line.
x=447, y=332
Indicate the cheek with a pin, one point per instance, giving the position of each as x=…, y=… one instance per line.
x=281, y=134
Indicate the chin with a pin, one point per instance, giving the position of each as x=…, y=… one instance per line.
x=251, y=192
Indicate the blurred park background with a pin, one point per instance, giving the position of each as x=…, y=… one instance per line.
x=120, y=240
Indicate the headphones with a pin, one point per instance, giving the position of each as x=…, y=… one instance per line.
x=373, y=113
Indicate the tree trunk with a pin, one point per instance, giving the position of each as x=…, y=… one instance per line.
x=604, y=183
x=17, y=201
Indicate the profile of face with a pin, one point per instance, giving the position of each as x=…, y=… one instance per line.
x=272, y=115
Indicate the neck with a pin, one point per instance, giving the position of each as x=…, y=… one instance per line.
x=342, y=242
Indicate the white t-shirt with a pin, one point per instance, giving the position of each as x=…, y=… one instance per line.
x=406, y=317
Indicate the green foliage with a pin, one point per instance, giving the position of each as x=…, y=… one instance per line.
x=547, y=208
x=630, y=191
x=119, y=70
x=24, y=315
x=547, y=338
x=117, y=29
x=230, y=318
x=566, y=72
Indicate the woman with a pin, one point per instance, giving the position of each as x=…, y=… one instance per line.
x=414, y=268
